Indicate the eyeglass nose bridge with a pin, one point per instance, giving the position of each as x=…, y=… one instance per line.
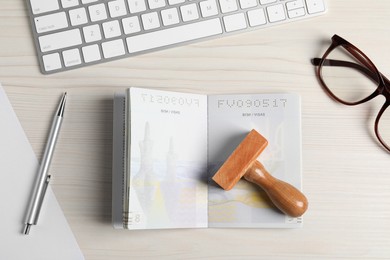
x=384, y=87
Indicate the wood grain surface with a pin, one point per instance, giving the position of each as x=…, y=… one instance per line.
x=346, y=174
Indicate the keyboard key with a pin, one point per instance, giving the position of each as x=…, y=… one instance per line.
x=91, y=53
x=248, y=3
x=88, y=1
x=71, y=57
x=296, y=13
x=78, y=16
x=189, y=12
x=69, y=3
x=154, y=4
x=92, y=33
x=131, y=25
x=150, y=21
x=208, y=8
x=228, y=6
x=170, y=16
x=97, y=12
x=43, y=6
x=60, y=40
x=266, y=2
x=136, y=6
x=52, y=62
x=234, y=22
x=294, y=4
x=315, y=6
x=276, y=13
x=51, y=22
x=174, y=35
x=111, y=29
x=117, y=8
x=113, y=48
x=174, y=2
x=256, y=17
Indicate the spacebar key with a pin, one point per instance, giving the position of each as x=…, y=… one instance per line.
x=174, y=35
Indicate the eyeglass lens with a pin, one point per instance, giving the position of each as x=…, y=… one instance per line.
x=384, y=127
x=351, y=80
x=345, y=76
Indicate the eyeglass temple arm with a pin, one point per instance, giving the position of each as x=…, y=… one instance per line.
x=340, y=63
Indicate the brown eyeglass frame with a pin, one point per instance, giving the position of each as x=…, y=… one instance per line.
x=369, y=69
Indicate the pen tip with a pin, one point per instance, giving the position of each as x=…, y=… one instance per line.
x=61, y=106
x=27, y=229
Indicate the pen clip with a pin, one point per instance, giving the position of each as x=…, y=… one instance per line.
x=46, y=184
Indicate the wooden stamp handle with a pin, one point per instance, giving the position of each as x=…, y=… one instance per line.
x=285, y=196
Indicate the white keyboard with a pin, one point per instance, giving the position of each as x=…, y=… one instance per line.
x=74, y=33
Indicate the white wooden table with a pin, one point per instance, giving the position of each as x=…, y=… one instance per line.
x=346, y=174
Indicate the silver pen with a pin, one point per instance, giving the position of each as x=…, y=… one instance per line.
x=43, y=177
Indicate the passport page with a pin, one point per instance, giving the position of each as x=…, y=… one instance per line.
x=231, y=118
x=167, y=169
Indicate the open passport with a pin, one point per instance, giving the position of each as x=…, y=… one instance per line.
x=168, y=145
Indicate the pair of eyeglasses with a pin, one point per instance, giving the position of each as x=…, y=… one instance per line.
x=350, y=77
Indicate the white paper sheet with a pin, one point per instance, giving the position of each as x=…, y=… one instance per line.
x=52, y=238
